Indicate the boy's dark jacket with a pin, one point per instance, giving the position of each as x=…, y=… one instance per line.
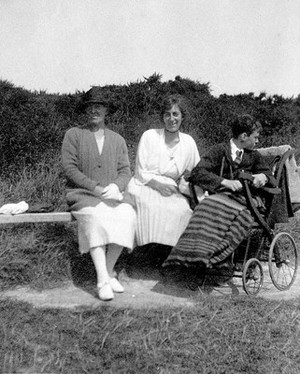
x=217, y=165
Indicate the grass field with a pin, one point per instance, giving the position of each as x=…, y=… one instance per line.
x=217, y=336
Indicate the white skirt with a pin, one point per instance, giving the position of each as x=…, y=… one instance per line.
x=106, y=224
x=159, y=219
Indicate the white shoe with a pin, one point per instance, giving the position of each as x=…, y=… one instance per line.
x=116, y=285
x=105, y=292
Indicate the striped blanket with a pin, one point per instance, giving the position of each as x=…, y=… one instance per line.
x=216, y=228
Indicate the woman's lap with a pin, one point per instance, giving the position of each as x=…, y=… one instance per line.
x=160, y=219
x=105, y=224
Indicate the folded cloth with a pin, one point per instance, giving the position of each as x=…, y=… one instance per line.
x=18, y=208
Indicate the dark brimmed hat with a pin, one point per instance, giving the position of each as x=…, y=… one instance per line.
x=96, y=95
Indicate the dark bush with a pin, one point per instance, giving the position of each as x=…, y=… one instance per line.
x=32, y=124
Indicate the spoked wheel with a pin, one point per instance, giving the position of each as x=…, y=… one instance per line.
x=283, y=261
x=253, y=277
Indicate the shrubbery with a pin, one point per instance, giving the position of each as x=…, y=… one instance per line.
x=32, y=124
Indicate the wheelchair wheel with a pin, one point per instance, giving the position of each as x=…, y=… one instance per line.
x=283, y=261
x=253, y=277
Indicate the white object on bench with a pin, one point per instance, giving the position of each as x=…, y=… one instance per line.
x=36, y=217
x=18, y=208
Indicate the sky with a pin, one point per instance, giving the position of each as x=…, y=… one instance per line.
x=236, y=46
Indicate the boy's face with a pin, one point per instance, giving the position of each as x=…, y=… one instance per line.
x=250, y=141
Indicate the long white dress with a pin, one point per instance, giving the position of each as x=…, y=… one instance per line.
x=161, y=219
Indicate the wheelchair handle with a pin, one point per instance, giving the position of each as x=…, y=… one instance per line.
x=248, y=177
x=245, y=176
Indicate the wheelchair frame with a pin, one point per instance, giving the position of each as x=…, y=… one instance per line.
x=282, y=256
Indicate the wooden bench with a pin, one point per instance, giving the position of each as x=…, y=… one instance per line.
x=67, y=217
x=36, y=218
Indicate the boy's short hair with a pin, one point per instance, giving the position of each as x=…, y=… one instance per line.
x=245, y=124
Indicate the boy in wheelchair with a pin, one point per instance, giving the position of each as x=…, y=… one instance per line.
x=221, y=221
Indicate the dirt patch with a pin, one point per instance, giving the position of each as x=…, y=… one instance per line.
x=145, y=290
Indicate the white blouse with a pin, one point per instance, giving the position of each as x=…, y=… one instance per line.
x=156, y=160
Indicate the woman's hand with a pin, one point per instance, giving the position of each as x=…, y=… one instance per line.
x=112, y=192
x=163, y=188
x=233, y=185
x=167, y=189
x=98, y=191
x=109, y=192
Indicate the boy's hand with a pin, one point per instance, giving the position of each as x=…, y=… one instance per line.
x=233, y=185
x=259, y=180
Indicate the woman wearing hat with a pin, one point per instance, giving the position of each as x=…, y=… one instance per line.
x=96, y=164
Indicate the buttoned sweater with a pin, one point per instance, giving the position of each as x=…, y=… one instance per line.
x=85, y=168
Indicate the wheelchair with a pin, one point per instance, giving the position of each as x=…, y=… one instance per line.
x=264, y=244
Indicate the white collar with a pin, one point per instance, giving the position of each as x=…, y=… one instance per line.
x=234, y=148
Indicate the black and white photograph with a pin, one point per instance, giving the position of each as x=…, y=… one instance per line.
x=149, y=186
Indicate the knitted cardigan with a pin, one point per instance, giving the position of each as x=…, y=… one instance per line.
x=85, y=168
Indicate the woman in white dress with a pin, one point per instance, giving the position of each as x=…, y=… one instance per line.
x=164, y=156
x=96, y=164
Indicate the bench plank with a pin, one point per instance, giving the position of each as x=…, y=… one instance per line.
x=36, y=217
